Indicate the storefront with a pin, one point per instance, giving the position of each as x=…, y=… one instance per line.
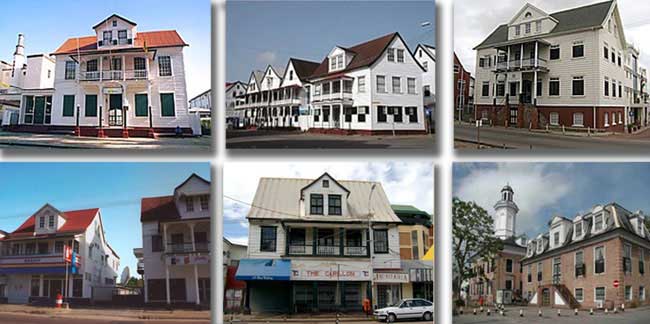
x=389, y=287
x=266, y=285
x=420, y=279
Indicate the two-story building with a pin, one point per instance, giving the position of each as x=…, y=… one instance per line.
x=25, y=75
x=117, y=82
x=321, y=245
x=176, y=245
x=594, y=260
x=563, y=69
x=426, y=56
x=32, y=260
x=498, y=279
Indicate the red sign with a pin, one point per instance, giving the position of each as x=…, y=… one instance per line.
x=67, y=254
x=616, y=283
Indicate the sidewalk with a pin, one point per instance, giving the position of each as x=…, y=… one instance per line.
x=315, y=318
x=89, y=313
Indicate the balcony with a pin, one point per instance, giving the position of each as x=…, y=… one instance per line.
x=187, y=247
x=9, y=259
x=335, y=96
x=112, y=75
x=521, y=65
x=298, y=249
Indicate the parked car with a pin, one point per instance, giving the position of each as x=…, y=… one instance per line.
x=410, y=308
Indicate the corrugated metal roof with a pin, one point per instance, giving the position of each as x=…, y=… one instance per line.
x=279, y=198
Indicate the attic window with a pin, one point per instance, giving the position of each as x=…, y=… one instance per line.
x=528, y=15
x=50, y=222
x=598, y=222
x=578, y=228
x=539, y=246
x=41, y=222
x=114, y=23
x=326, y=183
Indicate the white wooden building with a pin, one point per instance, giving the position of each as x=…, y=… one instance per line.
x=313, y=236
x=176, y=245
x=32, y=268
x=117, y=82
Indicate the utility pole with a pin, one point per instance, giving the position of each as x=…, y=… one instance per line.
x=371, y=240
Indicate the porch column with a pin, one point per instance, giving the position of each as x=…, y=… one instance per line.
x=508, y=59
x=40, y=285
x=101, y=68
x=167, y=288
x=124, y=68
x=196, y=283
x=535, y=88
x=191, y=225
x=536, y=55
x=521, y=56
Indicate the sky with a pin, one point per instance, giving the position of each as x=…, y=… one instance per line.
x=405, y=183
x=115, y=188
x=475, y=20
x=543, y=190
x=47, y=24
x=262, y=33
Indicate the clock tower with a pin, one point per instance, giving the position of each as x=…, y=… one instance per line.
x=506, y=214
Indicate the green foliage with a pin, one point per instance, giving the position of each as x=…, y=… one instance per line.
x=135, y=283
x=473, y=235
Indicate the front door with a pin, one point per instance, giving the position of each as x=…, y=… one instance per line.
x=546, y=297
x=513, y=116
x=204, y=290
x=336, y=114
x=115, y=110
x=528, y=91
x=39, y=110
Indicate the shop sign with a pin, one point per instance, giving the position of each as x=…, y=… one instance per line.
x=343, y=271
x=391, y=277
x=187, y=259
x=113, y=90
x=421, y=275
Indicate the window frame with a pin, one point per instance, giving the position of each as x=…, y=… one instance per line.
x=313, y=206
x=332, y=207
x=265, y=242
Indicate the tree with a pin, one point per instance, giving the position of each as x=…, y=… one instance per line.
x=473, y=235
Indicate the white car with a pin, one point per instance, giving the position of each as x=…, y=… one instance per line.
x=410, y=308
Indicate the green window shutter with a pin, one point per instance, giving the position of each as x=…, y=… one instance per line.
x=91, y=105
x=141, y=105
x=68, y=105
x=167, y=104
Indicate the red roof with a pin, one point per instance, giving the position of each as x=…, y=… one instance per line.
x=76, y=221
x=158, y=208
x=153, y=39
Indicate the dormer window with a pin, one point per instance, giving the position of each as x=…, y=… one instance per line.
x=400, y=56
x=391, y=55
x=205, y=202
x=598, y=222
x=334, y=205
x=269, y=82
x=316, y=204
x=538, y=26
x=122, y=37
x=539, y=246
x=527, y=28
x=50, y=223
x=517, y=30
x=578, y=228
x=189, y=204
x=114, y=23
x=108, y=37
x=556, y=239
x=326, y=183
x=290, y=75
x=41, y=222
x=531, y=249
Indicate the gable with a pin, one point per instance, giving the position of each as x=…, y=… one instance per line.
x=324, y=183
x=290, y=76
x=527, y=13
x=253, y=84
x=194, y=185
x=116, y=17
x=270, y=74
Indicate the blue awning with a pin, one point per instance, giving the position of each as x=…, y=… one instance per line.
x=263, y=269
x=34, y=270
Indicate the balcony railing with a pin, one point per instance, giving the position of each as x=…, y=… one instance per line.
x=113, y=75
x=333, y=96
x=326, y=250
x=187, y=247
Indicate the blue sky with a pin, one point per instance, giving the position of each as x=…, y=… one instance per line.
x=261, y=33
x=407, y=183
x=543, y=190
x=115, y=188
x=47, y=24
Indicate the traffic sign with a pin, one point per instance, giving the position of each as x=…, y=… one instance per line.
x=67, y=254
x=616, y=283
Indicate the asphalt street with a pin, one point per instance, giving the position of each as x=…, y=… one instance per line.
x=523, y=139
x=49, y=319
x=631, y=316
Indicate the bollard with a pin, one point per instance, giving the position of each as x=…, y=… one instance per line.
x=488, y=312
x=591, y=311
x=521, y=313
x=481, y=309
x=606, y=311
x=502, y=313
x=461, y=311
x=539, y=312
x=575, y=311
x=558, y=313
x=622, y=307
x=474, y=311
x=615, y=310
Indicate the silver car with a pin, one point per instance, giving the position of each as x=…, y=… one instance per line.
x=411, y=308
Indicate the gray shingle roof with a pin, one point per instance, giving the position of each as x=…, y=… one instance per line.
x=568, y=20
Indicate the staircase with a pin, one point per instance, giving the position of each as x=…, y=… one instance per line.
x=567, y=296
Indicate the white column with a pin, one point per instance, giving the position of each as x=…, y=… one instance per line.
x=508, y=58
x=40, y=286
x=169, y=300
x=192, y=236
x=196, y=283
x=124, y=69
x=536, y=55
x=535, y=86
x=101, y=68
x=521, y=56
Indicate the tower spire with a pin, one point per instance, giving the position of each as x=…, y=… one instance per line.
x=506, y=214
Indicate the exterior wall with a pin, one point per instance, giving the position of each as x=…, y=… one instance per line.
x=40, y=73
x=406, y=241
x=461, y=87
x=254, y=236
x=494, y=278
x=108, y=26
x=195, y=188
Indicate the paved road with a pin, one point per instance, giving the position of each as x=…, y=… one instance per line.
x=549, y=316
x=523, y=139
x=38, y=319
x=246, y=139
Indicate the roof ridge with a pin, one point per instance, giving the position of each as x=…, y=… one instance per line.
x=581, y=7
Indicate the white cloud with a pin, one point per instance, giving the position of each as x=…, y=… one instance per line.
x=241, y=240
x=474, y=20
x=536, y=186
x=266, y=58
x=408, y=183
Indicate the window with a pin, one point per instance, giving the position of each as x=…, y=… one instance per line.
x=205, y=202
x=410, y=84
x=606, y=87
x=381, y=241
x=122, y=35
x=485, y=90
x=641, y=261
x=107, y=37
x=361, y=83
x=43, y=248
x=627, y=258
x=530, y=273
x=517, y=30
x=397, y=114
x=391, y=55
x=141, y=105
x=189, y=204
x=579, y=294
x=598, y=219
x=139, y=64
x=606, y=52
x=50, y=221
x=527, y=28
x=599, y=260
x=508, y=284
x=400, y=55
x=628, y=293
x=613, y=56
x=167, y=105
x=316, y=204
x=68, y=105
x=501, y=89
x=555, y=52
x=36, y=287
x=381, y=114
x=578, y=228
x=599, y=294
x=509, y=265
x=641, y=293
x=361, y=114
x=412, y=112
x=397, y=85
x=70, y=70
x=164, y=66
x=91, y=106
x=556, y=239
x=156, y=243
x=290, y=75
x=268, y=239
x=41, y=222
x=326, y=88
x=554, y=87
x=334, y=204
x=539, y=271
x=579, y=264
x=333, y=63
x=606, y=119
x=554, y=118
x=578, y=119
x=326, y=183
x=578, y=86
x=425, y=65
x=58, y=247
x=415, y=250
x=381, y=84
x=578, y=49
x=538, y=26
